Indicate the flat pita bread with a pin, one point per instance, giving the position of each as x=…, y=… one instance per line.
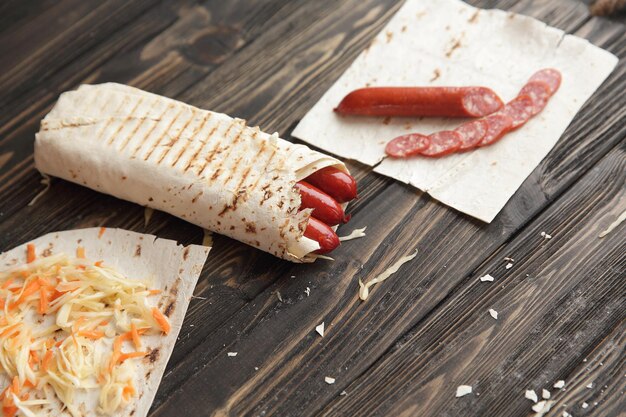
x=170, y=267
x=450, y=43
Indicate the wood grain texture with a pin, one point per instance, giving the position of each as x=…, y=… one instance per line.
x=548, y=318
x=268, y=62
x=291, y=378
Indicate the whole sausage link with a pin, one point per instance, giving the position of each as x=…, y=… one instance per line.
x=322, y=234
x=336, y=183
x=420, y=101
x=325, y=208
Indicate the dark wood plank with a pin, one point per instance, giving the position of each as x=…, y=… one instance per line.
x=295, y=354
x=269, y=62
x=560, y=299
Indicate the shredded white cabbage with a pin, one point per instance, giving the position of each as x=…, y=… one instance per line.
x=364, y=288
x=70, y=325
x=355, y=234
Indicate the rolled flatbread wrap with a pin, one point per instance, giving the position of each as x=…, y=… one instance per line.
x=205, y=167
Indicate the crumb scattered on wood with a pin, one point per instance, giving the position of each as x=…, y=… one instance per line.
x=545, y=235
x=280, y=297
x=559, y=384
x=493, y=313
x=545, y=394
x=462, y=390
x=232, y=354
x=487, y=278
x=307, y=291
x=531, y=395
x=509, y=265
x=542, y=407
x=329, y=380
x=320, y=329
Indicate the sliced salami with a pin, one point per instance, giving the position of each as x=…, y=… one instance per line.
x=443, y=143
x=407, y=145
x=539, y=92
x=498, y=124
x=520, y=110
x=481, y=101
x=550, y=76
x=472, y=133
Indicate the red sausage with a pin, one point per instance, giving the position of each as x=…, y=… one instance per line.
x=520, y=110
x=443, y=143
x=322, y=234
x=498, y=124
x=325, y=208
x=407, y=145
x=539, y=92
x=550, y=76
x=421, y=101
x=472, y=132
x=336, y=183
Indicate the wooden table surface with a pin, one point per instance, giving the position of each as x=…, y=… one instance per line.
x=561, y=306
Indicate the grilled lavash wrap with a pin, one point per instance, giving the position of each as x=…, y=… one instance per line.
x=205, y=167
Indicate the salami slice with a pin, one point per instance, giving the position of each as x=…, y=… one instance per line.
x=407, y=145
x=539, y=92
x=498, y=124
x=520, y=110
x=472, y=133
x=443, y=143
x=550, y=76
x=480, y=101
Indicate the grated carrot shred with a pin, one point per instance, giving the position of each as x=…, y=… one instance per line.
x=6, y=283
x=161, y=320
x=46, y=360
x=30, y=289
x=129, y=355
x=9, y=330
x=80, y=252
x=98, y=264
x=101, y=232
x=135, y=336
x=91, y=334
x=43, y=300
x=30, y=253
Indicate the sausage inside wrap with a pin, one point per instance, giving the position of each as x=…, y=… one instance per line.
x=205, y=167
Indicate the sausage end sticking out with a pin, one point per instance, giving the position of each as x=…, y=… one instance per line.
x=322, y=234
x=325, y=208
x=338, y=184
